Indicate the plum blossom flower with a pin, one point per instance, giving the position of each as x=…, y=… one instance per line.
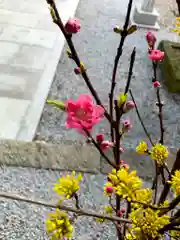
x=126, y=126
x=129, y=105
x=83, y=114
x=105, y=145
x=73, y=25
x=121, y=150
x=156, y=55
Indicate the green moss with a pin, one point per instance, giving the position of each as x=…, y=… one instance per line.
x=170, y=67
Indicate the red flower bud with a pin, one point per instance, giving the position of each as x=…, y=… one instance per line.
x=77, y=70
x=72, y=25
x=151, y=39
x=119, y=213
x=156, y=84
x=123, y=210
x=109, y=189
x=100, y=137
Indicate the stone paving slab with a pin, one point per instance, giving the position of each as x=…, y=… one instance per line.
x=30, y=46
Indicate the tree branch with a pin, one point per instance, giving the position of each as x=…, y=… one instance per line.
x=81, y=212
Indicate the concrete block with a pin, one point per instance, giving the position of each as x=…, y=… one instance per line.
x=8, y=51
x=31, y=57
x=29, y=36
x=145, y=19
x=18, y=18
x=11, y=114
x=23, y=6
x=18, y=82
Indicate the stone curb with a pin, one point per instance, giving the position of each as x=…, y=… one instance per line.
x=72, y=156
x=78, y=157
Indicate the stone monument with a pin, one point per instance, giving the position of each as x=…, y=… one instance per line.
x=145, y=15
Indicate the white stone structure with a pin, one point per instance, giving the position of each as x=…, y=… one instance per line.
x=145, y=15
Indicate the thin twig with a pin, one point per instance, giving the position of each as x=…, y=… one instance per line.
x=62, y=207
x=130, y=72
x=75, y=56
x=116, y=61
x=140, y=119
x=99, y=149
x=160, y=106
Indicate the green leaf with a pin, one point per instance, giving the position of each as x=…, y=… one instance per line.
x=57, y=104
x=122, y=99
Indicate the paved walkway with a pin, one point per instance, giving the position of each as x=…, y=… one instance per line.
x=30, y=48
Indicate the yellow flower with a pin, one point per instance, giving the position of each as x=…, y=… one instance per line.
x=142, y=148
x=175, y=234
x=159, y=153
x=143, y=196
x=68, y=185
x=147, y=223
x=175, y=182
x=124, y=183
x=58, y=226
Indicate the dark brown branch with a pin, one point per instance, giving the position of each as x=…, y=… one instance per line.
x=81, y=212
x=130, y=73
x=160, y=106
x=116, y=61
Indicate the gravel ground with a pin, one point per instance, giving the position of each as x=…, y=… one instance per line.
x=96, y=44
x=21, y=221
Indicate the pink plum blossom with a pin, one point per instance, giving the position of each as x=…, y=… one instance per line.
x=105, y=145
x=156, y=55
x=126, y=125
x=129, y=105
x=72, y=25
x=83, y=113
x=121, y=150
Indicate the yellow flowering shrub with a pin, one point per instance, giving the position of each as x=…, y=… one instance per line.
x=125, y=183
x=142, y=148
x=58, y=225
x=159, y=153
x=146, y=223
x=68, y=185
x=175, y=182
x=177, y=29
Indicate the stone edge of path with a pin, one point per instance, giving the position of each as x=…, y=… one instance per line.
x=71, y=156
x=29, y=124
